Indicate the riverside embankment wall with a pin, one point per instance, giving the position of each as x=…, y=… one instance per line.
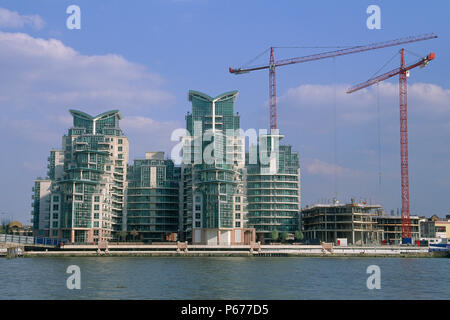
x=254, y=250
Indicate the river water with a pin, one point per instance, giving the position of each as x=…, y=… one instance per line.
x=224, y=278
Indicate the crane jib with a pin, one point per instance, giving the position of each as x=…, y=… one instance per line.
x=335, y=53
x=422, y=62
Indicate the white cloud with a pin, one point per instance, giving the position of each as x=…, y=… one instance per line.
x=360, y=107
x=50, y=76
x=431, y=97
x=319, y=167
x=12, y=19
x=313, y=95
x=147, y=134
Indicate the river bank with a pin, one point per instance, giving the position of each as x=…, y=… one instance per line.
x=255, y=250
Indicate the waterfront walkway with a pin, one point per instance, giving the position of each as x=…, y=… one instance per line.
x=183, y=249
x=32, y=246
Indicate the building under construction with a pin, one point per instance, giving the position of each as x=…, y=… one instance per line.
x=392, y=228
x=355, y=222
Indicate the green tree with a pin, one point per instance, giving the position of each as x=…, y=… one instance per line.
x=123, y=235
x=298, y=235
x=283, y=236
x=4, y=226
x=275, y=235
x=134, y=233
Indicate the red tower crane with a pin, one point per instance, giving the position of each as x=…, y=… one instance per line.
x=403, y=72
x=274, y=64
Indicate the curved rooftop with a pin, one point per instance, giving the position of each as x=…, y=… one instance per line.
x=221, y=97
x=89, y=117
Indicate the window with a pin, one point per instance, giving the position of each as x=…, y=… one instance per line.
x=238, y=224
x=238, y=216
x=55, y=233
x=97, y=199
x=120, y=141
x=96, y=215
x=120, y=149
x=95, y=232
x=96, y=207
x=78, y=198
x=55, y=216
x=120, y=156
x=55, y=207
x=95, y=224
x=197, y=207
x=55, y=198
x=55, y=224
x=237, y=199
x=197, y=216
x=198, y=224
x=238, y=207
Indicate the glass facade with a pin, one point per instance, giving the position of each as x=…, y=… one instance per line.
x=96, y=196
x=273, y=191
x=153, y=198
x=209, y=187
x=89, y=167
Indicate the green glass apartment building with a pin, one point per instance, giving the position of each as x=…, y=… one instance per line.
x=87, y=193
x=216, y=196
x=153, y=197
x=213, y=202
x=273, y=189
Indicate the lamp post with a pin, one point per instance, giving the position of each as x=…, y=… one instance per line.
x=4, y=213
x=6, y=227
x=218, y=206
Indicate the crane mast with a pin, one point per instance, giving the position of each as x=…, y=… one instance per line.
x=403, y=96
x=272, y=92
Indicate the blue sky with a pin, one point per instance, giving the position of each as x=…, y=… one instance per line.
x=142, y=57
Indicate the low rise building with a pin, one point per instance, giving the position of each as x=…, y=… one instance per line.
x=435, y=230
x=355, y=222
x=392, y=228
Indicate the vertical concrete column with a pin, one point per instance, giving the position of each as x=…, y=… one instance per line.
x=203, y=239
